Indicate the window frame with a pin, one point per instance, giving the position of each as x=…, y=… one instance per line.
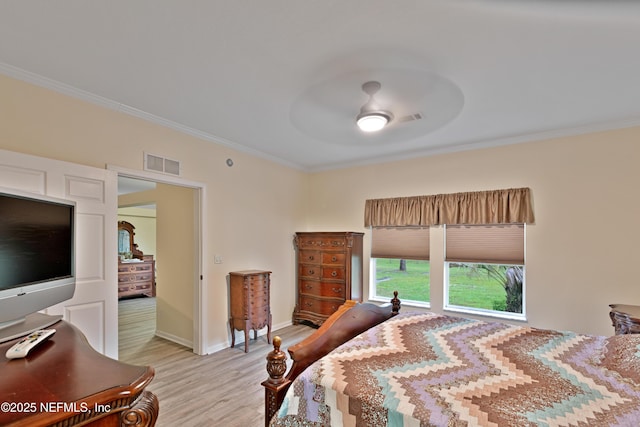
x=373, y=288
x=481, y=311
x=414, y=253
x=440, y=287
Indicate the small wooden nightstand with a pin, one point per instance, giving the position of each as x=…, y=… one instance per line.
x=249, y=301
x=625, y=318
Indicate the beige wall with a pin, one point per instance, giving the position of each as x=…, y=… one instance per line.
x=582, y=250
x=253, y=208
x=176, y=261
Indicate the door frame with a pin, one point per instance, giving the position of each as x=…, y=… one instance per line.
x=200, y=287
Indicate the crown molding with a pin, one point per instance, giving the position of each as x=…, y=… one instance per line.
x=489, y=143
x=65, y=89
x=68, y=90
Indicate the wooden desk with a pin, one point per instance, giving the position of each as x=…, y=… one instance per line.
x=65, y=382
x=625, y=318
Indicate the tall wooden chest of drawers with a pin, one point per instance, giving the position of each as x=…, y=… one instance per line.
x=329, y=273
x=249, y=303
x=137, y=278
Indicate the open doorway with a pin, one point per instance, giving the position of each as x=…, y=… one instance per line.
x=178, y=306
x=137, y=250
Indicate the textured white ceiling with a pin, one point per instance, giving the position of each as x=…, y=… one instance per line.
x=247, y=73
x=133, y=185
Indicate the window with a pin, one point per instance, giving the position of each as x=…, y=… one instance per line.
x=400, y=261
x=484, y=269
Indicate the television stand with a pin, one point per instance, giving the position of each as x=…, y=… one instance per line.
x=65, y=382
x=31, y=323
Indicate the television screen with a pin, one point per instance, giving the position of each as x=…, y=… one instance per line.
x=37, y=260
x=35, y=241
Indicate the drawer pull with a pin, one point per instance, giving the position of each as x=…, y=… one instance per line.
x=308, y=286
x=334, y=258
x=312, y=272
x=334, y=273
x=337, y=290
x=308, y=304
x=311, y=257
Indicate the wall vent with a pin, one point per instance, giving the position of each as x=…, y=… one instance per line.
x=410, y=117
x=161, y=164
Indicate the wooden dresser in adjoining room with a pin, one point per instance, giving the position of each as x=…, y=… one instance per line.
x=136, y=271
x=137, y=277
x=329, y=273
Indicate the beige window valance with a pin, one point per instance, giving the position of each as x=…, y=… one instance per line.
x=510, y=206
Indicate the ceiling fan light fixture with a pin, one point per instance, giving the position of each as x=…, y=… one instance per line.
x=372, y=118
x=373, y=121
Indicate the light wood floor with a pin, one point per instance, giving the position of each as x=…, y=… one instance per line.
x=220, y=389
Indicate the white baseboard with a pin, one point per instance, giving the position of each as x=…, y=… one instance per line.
x=175, y=339
x=240, y=337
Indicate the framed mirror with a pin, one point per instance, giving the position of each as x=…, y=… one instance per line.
x=127, y=248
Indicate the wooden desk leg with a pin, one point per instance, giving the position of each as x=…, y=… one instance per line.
x=144, y=412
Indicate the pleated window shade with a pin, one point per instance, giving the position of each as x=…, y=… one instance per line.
x=496, y=244
x=400, y=242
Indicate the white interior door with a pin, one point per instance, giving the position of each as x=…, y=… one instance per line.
x=93, y=308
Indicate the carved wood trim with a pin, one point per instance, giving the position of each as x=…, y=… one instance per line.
x=144, y=411
x=625, y=318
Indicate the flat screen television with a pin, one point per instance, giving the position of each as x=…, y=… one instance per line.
x=37, y=260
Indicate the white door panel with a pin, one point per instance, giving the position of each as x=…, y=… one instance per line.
x=90, y=247
x=22, y=179
x=93, y=307
x=91, y=315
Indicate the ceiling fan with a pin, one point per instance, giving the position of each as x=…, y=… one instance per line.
x=372, y=117
x=402, y=104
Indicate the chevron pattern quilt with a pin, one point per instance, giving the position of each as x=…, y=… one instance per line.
x=424, y=369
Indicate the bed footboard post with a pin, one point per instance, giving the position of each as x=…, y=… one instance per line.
x=276, y=386
x=395, y=303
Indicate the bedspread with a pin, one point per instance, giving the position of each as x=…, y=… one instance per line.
x=424, y=369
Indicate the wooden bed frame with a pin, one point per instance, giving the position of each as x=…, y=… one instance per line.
x=349, y=320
